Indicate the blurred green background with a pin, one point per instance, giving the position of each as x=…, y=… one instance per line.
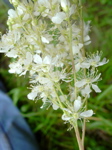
x=47, y=125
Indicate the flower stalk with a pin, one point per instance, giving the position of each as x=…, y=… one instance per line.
x=81, y=147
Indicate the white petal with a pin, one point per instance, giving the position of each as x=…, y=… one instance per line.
x=15, y=68
x=12, y=13
x=97, y=77
x=43, y=80
x=76, y=48
x=45, y=13
x=86, y=90
x=97, y=58
x=55, y=107
x=64, y=4
x=103, y=62
x=37, y=59
x=77, y=105
x=32, y=95
x=58, y=18
x=44, y=3
x=85, y=65
x=63, y=97
x=29, y=56
x=87, y=113
x=26, y=17
x=67, y=110
x=12, y=53
x=65, y=117
x=47, y=60
x=36, y=13
x=87, y=43
x=44, y=40
x=72, y=9
x=80, y=83
x=96, y=88
x=80, y=45
x=86, y=38
x=77, y=67
x=20, y=10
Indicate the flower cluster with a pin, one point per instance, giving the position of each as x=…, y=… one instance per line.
x=46, y=38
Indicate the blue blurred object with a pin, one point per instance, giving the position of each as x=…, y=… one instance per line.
x=2, y=87
x=7, y=3
x=15, y=134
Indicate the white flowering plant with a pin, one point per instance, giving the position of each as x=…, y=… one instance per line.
x=47, y=40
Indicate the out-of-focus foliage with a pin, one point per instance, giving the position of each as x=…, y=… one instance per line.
x=47, y=124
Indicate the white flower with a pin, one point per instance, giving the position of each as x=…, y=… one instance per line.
x=8, y=43
x=58, y=18
x=35, y=92
x=45, y=61
x=42, y=64
x=94, y=61
x=75, y=113
x=87, y=83
x=12, y=53
x=56, y=76
x=15, y=68
x=43, y=80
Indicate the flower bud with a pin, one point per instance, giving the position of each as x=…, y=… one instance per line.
x=14, y=2
x=65, y=4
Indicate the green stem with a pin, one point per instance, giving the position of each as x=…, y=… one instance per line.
x=81, y=147
x=71, y=53
x=83, y=132
x=82, y=28
x=60, y=104
x=84, y=125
